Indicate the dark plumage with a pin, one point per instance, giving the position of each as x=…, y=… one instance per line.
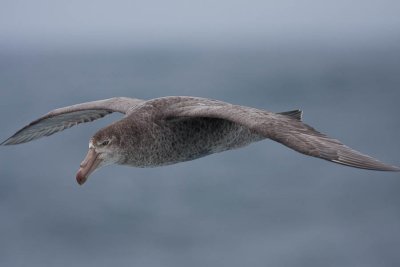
x=168, y=130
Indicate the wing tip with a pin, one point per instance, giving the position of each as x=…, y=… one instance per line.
x=9, y=142
x=372, y=166
x=6, y=142
x=390, y=168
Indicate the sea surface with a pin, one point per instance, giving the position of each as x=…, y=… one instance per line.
x=262, y=205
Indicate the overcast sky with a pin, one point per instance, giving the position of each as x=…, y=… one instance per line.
x=43, y=22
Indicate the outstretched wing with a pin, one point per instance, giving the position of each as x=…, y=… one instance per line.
x=287, y=130
x=66, y=117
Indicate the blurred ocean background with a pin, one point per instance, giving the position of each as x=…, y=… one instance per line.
x=263, y=205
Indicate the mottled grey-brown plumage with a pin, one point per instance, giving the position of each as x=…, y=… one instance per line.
x=168, y=130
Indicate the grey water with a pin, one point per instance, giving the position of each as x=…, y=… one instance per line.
x=263, y=205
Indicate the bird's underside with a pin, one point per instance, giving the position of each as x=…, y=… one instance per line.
x=190, y=127
x=192, y=138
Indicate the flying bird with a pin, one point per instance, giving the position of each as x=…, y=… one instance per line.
x=174, y=129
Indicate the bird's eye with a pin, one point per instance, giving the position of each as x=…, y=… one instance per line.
x=106, y=142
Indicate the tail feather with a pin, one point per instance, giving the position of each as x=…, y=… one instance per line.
x=295, y=114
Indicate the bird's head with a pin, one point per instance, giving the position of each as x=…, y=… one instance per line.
x=104, y=149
